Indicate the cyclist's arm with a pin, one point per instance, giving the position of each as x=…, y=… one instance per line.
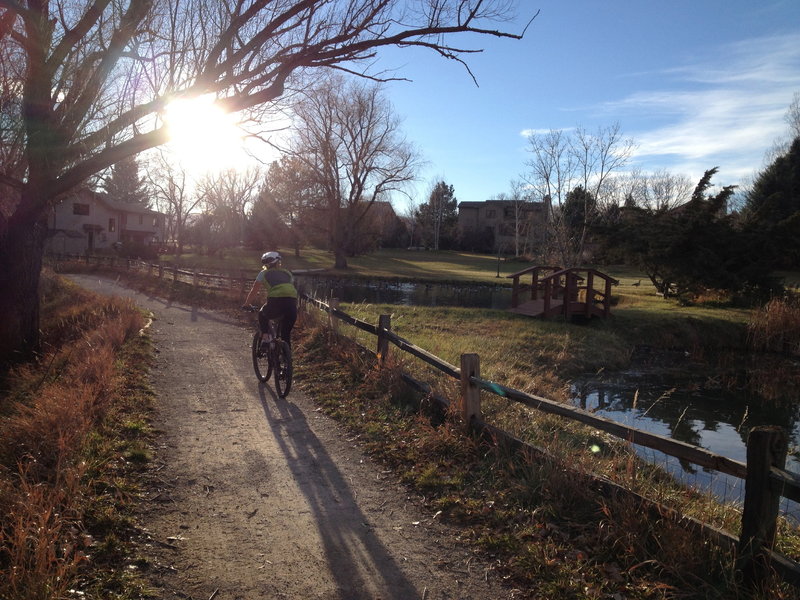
x=253, y=292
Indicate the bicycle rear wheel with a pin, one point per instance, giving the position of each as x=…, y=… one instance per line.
x=282, y=355
x=262, y=364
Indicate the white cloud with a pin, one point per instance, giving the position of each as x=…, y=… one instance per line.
x=526, y=133
x=725, y=112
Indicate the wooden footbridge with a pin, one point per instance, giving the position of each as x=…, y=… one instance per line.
x=554, y=291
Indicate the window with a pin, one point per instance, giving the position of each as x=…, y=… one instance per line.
x=112, y=225
x=80, y=209
x=155, y=221
x=508, y=212
x=490, y=214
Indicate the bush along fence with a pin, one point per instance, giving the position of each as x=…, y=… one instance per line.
x=766, y=480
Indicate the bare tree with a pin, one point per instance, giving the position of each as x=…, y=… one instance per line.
x=521, y=203
x=793, y=117
x=660, y=190
x=409, y=217
x=564, y=163
x=281, y=213
x=349, y=139
x=172, y=196
x=226, y=198
x=86, y=83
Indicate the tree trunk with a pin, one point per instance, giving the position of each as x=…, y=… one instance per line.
x=341, y=259
x=21, y=251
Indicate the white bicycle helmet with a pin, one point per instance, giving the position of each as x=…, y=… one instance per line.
x=270, y=258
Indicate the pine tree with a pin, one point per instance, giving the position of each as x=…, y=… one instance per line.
x=438, y=218
x=125, y=185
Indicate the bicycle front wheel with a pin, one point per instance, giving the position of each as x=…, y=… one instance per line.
x=262, y=365
x=282, y=356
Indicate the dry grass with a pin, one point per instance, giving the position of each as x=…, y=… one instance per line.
x=51, y=410
x=776, y=327
x=541, y=521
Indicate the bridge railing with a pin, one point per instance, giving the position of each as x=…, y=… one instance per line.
x=566, y=286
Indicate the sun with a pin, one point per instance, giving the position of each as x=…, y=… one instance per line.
x=203, y=137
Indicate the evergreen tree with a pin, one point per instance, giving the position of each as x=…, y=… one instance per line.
x=693, y=247
x=125, y=185
x=438, y=218
x=772, y=209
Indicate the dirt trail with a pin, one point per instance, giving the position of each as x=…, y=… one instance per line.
x=257, y=497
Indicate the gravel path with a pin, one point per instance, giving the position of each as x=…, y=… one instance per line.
x=256, y=497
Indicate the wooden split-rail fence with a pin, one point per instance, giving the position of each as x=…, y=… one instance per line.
x=766, y=480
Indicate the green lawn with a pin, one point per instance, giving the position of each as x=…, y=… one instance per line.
x=639, y=315
x=404, y=264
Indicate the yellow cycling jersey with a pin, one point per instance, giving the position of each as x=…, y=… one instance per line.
x=279, y=283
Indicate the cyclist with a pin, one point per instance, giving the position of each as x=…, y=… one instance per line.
x=281, y=296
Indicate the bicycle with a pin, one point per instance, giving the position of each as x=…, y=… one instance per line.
x=274, y=356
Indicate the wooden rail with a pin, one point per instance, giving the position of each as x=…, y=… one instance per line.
x=766, y=480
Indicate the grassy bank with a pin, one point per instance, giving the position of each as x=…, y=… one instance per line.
x=73, y=433
x=542, y=524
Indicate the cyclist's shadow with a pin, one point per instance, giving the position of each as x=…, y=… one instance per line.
x=352, y=549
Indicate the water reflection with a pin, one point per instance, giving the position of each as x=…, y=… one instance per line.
x=688, y=405
x=407, y=293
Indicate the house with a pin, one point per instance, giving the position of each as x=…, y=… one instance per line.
x=86, y=221
x=512, y=226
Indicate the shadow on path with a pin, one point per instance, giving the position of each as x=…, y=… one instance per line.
x=357, y=559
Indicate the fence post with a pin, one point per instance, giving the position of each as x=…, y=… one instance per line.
x=194, y=279
x=174, y=273
x=332, y=322
x=470, y=392
x=766, y=448
x=384, y=325
x=161, y=271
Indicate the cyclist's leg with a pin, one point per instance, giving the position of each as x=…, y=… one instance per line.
x=288, y=318
x=271, y=310
x=263, y=319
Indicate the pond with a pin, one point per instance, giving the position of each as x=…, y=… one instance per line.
x=686, y=403
x=407, y=293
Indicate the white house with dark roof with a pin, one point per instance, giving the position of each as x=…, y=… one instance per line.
x=87, y=221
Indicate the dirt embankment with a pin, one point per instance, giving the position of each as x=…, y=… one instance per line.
x=257, y=497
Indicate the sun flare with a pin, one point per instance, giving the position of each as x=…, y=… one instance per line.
x=203, y=136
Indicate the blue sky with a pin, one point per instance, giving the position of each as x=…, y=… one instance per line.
x=696, y=84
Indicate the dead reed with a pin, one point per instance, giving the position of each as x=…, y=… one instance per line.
x=776, y=327
x=51, y=408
